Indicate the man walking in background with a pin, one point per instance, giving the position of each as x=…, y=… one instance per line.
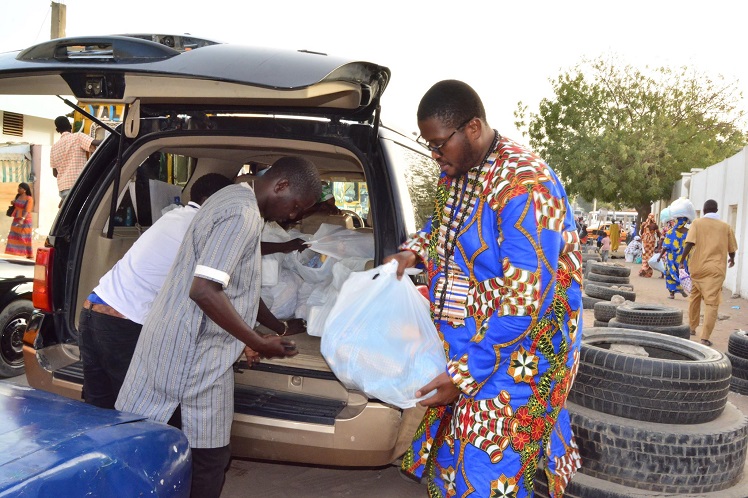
x=709, y=243
x=69, y=154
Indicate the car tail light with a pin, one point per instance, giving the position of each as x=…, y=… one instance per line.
x=424, y=290
x=42, y=293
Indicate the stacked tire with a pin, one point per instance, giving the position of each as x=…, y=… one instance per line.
x=737, y=352
x=650, y=415
x=605, y=280
x=605, y=311
x=652, y=318
x=588, y=255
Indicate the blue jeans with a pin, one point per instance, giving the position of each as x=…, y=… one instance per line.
x=106, y=344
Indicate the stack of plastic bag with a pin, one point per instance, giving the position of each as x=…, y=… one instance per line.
x=343, y=244
x=379, y=337
x=682, y=208
x=280, y=286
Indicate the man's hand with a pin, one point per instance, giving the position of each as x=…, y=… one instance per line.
x=294, y=245
x=405, y=259
x=731, y=263
x=253, y=357
x=446, y=391
x=296, y=326
x=273, y=346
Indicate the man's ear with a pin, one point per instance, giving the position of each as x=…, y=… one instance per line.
x=280, y=185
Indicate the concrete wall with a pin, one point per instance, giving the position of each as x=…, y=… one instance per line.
x=727, y=183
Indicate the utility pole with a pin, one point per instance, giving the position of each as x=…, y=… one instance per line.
x=59, y=17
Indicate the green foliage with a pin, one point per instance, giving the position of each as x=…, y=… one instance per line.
x=622, y=135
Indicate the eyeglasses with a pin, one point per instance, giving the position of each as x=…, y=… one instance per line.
x=437, y=148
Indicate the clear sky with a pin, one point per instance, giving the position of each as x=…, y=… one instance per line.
x=506, y=50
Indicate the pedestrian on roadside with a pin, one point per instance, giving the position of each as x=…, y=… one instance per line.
x=650, y=235
x=710, y=249
x=19, y=238
x=69, y=154
x=504, y=264
x=673, y=244
x=199, y=323
x=615, y=236
x=605, y=248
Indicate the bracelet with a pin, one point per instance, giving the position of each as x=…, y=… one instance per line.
x=285, y=328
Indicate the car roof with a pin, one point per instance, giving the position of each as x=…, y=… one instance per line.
x=121, y=69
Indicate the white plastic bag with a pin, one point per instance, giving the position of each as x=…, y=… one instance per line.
x=281, y=298
x=656, y=265
x=272, y=232
x=682, y=207
x=379, y=337
x=344, y=244
x=322, y=299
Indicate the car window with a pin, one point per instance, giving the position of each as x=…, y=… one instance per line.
x=420, y=173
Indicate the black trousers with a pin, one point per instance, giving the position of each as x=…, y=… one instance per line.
x=209, y=465
x=106, y=345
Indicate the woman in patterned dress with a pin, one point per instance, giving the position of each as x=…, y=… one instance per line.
x=650, y=233
x=672, y=248
x=19, y=238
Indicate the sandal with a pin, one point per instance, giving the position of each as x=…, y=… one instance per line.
x=671, y=296
x=693, y=332
x=706, y=342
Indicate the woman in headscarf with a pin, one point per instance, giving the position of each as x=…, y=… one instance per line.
x=672, y=249
x=634, y=249
x=650, y=234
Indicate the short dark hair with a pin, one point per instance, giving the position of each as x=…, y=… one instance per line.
x=452, y=102
x=207, y=185
x=301, y=173
x=710, y=206
x=62, y=123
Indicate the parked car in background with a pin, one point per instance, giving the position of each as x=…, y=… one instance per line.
x=224, y=109
x=604, y=227
x=16, y=282
x=85, y=451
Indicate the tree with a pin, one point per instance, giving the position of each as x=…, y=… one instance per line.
x=623, y=135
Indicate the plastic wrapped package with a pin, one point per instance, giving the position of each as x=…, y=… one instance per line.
x=655, y=264
x=379, y=337
x=344, y=244
x=322, y=299
x=682, y=207
x=281, y=298
x=272, y=232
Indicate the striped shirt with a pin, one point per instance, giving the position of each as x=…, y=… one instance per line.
x=183, y=357
x=68, y=156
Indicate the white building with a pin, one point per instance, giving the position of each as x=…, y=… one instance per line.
x=727, y=183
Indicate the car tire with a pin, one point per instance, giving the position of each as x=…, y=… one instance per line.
x=739, y=385
x=596, y=277
x=739, y=366
x=606, y=293
x=599, y=323
x=737, y=344
x=682, y=331
x=612, y=269
x=662, y=458
x=588, y=303
x=649, y=314
x=605, y=311
x=13, y=320
x=681, y=382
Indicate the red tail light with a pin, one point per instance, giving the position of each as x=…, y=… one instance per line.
x=42, y=293
x=424, y=290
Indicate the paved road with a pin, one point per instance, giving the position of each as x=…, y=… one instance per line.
x=270, y=480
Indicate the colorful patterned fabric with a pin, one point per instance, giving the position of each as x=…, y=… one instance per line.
x=68, y=155
x=673, y=244
x=511, y=321
x=19, y=238
x=649, y=239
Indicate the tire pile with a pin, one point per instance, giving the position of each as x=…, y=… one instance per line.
x=737, y=352
x=651, y=418
x=652, y=318
x=605, y=280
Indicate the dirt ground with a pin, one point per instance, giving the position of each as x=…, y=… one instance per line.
x=249, y=478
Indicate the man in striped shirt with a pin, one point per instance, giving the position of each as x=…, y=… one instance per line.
x=199, y=323
x=69, y=154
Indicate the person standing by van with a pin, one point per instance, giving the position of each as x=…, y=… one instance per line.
x=199, y=323
x=503, y=260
